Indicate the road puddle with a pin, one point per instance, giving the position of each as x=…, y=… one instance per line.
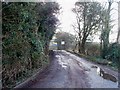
x=104, y=74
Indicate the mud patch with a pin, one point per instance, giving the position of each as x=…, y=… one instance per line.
x=81, y=66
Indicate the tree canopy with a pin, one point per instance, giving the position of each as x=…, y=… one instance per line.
x=68, y=38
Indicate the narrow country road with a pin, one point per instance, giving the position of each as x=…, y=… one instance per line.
x=70, y=71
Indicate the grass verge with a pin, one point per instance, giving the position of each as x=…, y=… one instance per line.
x=97, y=60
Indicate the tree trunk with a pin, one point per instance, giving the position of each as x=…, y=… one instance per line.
x=101, y=47
x=83, y=45
x=83, y=48
x=75, y=47
x=106, y=32
x=105, y=48
x=46, y=48
x=79, y=47
x=84, y=31
x=118, y=37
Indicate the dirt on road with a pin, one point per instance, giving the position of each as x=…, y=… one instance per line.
x=70, y=71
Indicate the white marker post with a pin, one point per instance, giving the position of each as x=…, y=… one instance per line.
x=63, y=45
x=62, y=42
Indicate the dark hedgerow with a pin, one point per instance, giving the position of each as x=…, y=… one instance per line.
x=24, y=42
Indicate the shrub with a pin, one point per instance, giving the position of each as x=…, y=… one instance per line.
x=114, y=53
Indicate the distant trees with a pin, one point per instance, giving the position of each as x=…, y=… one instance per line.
x=27, y=29
x=69, y=40
x=88, y=21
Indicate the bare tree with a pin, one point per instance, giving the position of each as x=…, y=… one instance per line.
x=88, y=19
x=106, y=28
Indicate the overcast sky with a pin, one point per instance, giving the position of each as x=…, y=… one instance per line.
x=67, y=17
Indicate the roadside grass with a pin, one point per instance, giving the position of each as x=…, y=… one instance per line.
x=97, y=60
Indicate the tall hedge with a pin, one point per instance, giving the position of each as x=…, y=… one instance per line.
x=27, y=29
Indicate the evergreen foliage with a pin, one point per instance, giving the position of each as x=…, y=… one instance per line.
x=26, y=28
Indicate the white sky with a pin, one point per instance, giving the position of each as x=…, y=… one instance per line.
x=67, y=18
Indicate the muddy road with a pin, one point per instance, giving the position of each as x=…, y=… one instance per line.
x=70, y=71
